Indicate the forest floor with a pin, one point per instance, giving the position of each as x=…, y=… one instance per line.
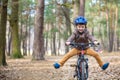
x=25, y=69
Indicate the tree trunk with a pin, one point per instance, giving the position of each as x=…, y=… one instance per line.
x=101, y=36
x=9, y=44
x=29, y=42
x=68, y=30
x=38, y=51
x=16, y=53
x=46, y=38
x=54, y=39
x=59, y=43
x=46, y=44
x=82, y=8
x=115, y=32
x=25, y=38
x=3, y=22
x=118, y=43
x=107, y=29
x=76, y=8
x=111, y=32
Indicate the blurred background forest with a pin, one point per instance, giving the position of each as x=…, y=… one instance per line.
x=33, y=35
x=40, y=27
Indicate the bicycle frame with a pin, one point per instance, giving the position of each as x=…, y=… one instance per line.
x=82, y=64
x=82, y=67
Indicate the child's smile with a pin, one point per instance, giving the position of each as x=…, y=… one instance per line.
x=81, y=27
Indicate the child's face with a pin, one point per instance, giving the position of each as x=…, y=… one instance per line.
x=81, y=27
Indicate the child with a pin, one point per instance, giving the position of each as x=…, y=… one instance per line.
x=81, y=35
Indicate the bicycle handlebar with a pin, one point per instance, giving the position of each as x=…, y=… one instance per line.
x=82, y=44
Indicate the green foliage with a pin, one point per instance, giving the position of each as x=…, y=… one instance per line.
x=118, y=30
x=53, y=30
x=65, y=35
x=119, y=21
x=26, y=9
x=16, y=55
x=47, y=34
x=103, y=21
x=68, y=5
x=49, y=13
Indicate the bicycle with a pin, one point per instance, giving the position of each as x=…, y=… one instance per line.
x=82, y=62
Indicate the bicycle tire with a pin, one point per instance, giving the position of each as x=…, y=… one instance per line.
x=82, y=71
x=86, y=65
x=78, y=69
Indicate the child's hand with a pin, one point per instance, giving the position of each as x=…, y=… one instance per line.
x=67, y=43
x=96, y=43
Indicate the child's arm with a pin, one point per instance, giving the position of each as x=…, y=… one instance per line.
x=71, y=38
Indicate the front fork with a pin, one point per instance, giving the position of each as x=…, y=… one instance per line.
x=77, y=67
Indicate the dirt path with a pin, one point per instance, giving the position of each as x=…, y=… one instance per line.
x=25, y=69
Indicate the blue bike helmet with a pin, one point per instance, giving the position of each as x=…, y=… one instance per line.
x=80, y=20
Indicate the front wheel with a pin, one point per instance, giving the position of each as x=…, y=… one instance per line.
x=82, y=71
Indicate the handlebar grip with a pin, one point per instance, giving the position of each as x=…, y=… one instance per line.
x=95, y=44
x=71, y=43
x=98, y=43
